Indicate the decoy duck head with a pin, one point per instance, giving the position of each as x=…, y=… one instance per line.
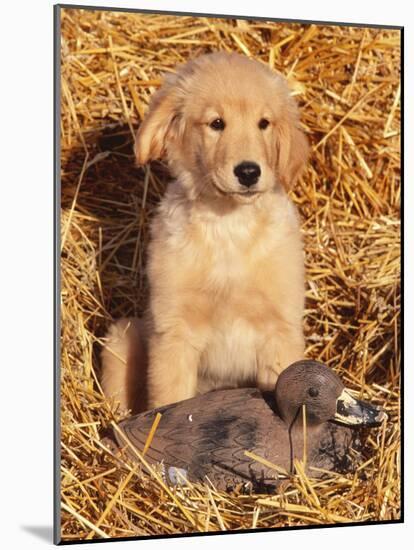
x=316, y=386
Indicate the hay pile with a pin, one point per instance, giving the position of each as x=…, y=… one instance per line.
x=347, y=83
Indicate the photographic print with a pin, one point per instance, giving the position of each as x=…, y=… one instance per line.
x=229, y=274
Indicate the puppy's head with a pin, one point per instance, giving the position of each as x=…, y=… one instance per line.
x=228, y=127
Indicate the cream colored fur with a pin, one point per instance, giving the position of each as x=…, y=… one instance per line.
x=225, y=265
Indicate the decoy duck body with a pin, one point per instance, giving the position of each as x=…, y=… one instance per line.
x=209, y=434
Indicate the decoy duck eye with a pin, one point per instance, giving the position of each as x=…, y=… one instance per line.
x=313, y=392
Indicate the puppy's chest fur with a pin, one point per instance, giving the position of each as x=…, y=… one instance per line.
x=223, y=272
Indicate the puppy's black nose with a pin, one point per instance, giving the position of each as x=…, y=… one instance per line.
x=247, y=173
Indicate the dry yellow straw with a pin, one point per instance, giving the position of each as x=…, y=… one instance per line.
x=267, y=463
x=152, y=432
x=219, y=518
x=304, y=458
x=84, y=521
x=153, y=473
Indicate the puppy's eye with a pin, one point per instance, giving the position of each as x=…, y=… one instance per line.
x=217, y=124
x=313, y=392
x=263, y=123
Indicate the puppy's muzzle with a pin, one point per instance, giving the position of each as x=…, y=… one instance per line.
x=248, y=173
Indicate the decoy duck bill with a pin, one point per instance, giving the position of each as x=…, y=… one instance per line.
x=357, y=413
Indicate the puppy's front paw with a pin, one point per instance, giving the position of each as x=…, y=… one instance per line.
x=266, y=377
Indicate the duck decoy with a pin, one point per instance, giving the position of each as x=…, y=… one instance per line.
x=209, y=434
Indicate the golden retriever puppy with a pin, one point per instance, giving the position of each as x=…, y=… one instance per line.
x=225, y=262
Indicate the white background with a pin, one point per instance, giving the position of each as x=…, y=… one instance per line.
x=26, y=223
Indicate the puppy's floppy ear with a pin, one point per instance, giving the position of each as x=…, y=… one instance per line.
x=159, y=124
x=293, y=152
